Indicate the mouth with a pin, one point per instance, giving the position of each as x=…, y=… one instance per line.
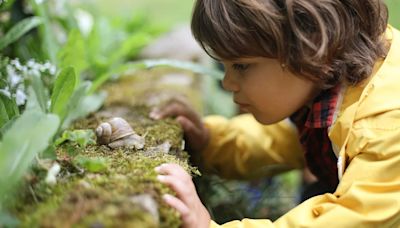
x=242, y=105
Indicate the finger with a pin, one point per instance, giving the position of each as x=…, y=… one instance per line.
x=170, y=110
x=177, y=204
x=191, y=130
x=171, y=169
x=184, y=189
x=176, y=109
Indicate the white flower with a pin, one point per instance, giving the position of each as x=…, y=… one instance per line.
x=13, y=77
x=52, y=70
x=31, y=63
x=20, y=97
x=34, y=72
x=85, y=21
x=16, y=64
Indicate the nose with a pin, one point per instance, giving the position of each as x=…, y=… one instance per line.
x=229, y=83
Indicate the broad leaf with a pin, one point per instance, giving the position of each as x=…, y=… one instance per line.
x=8, y=109
x=28, y=136
x=73, y=53
x=7, y=126
x=19, y=30
x=40, y=92
x=63, y=89
x=130, y=47
x=49, y=43
x=90, y=164
x=82, y=137
x=81, y=104
x=8, y=220
x=6, y=4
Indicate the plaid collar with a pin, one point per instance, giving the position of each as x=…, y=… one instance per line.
x=321, y=114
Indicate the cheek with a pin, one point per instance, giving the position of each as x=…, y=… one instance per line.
x=272, y=104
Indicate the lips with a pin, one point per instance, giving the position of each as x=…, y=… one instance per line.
x=240, y=103
x=242, y=106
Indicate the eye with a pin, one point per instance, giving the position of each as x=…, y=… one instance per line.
x=240, y=67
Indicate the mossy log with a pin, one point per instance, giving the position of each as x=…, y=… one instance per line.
x=102, y=187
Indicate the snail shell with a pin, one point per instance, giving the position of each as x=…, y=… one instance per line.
x=116, y=133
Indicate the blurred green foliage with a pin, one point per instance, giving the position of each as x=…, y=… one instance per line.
x=50, y=54
x=394, y=12
x=166, y=13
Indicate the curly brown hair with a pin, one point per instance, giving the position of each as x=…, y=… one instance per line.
x=326, y=41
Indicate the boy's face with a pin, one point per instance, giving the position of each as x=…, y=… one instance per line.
x=264, y=88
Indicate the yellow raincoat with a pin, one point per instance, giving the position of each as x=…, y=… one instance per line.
x=366, y=140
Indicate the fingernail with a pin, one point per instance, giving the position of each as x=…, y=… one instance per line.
x=157, y=169
x=154, y=115
x=161, y=178
x=166, y=197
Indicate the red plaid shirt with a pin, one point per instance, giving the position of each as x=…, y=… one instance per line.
x=313, y=125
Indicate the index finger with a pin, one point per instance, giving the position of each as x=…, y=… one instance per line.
x=175, y=109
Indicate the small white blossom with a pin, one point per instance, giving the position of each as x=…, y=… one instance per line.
x=13, y=76
x=52, y=70
x=85, y=21
x=20, y=97
x=17, y=73
x=34, y=72
x=16, y=64
x=31, y=63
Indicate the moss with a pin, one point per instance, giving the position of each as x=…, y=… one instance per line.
x=96, y=184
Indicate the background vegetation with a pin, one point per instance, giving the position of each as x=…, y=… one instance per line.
x=54, y=57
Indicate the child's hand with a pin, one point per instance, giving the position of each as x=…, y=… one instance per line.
x=187, y=203
x=196, y=135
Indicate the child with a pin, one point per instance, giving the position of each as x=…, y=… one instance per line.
x=331, y=67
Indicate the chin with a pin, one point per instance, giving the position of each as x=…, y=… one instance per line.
x=267, y=121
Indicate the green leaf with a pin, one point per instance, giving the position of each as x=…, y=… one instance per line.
x=130, y=47
x=99, y=81
x=394, y=12
x=49, y=43
x=28, y=136
x=49, y=153
x=5, y=5
x=32, y=102
x=4, y=118
x=7, y=126
x=19, y=30
x=82, y=137
x=63, y=89
x=73, y=53
x=40, y=92
x=81, y=104
x=8, y=109
x=7, y=220
x=94, y=165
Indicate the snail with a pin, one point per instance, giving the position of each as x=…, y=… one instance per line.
x=118, y=133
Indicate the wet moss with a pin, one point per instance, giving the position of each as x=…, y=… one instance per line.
x=97, y=184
